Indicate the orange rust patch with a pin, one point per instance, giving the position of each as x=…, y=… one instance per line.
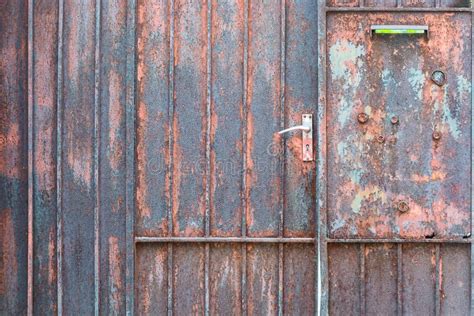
x=9, y=266
x=115, y=274
x=116, y=116
x=52, y=256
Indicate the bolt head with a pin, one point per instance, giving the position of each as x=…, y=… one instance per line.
x=394, y=120
x=362, y=118
x=381, y=139
x=436, y=135
x=403, y=206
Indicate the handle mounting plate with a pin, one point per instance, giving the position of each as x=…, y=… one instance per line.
x=307, y=120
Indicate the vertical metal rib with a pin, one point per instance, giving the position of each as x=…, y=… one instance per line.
x=59, y=214
x=170, y=150
x=129, y=161
x=437, y=280
x=244, y=200
x=30, y=155
x=321, y=261
x=96, y=157
x=208, y=153
x=362, y=279
x=399, y=279
x=280, y=279
x=472, y=165
x=283, y=164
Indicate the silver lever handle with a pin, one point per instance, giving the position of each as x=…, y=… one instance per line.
x=295, y=128
x=307, y=135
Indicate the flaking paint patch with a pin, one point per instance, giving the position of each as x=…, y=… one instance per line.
x=463, y=87
x=416, y=79
x=387, y=78
x=450, y=119
x=337, y=224
x=346, y=62
x=373, y=193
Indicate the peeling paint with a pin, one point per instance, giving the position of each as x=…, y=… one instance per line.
x=417, y=81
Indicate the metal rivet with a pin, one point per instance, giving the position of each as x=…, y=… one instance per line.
x=438, y=77
x=381, y=139
x=403, y=207
x=362, y=118
x=436, y=135
x=394, y=120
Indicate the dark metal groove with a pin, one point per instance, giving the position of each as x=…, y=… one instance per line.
x=283, y=170
x=244, y=199
x=30, y=155
x=96, y=157
x=362, y=293
x=59, y=115
x=170, y=149
x=208, y=154
x=438, y=280
x=399, y=279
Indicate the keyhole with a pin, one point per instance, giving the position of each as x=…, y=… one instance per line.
x=307, y=147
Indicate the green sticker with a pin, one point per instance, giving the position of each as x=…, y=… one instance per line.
x=398, y=31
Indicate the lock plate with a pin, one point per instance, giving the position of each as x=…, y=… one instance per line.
x=307, y=120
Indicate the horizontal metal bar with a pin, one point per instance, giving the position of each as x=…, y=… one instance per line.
x=370, y=9
x=276, y=240
x=402, y=241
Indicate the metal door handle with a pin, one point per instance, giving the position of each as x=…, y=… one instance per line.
x=295, y=128
x=307, y=137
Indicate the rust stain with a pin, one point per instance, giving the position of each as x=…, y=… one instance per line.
x=249, y=172
x=142, y=185
x=116, y=116
x=52, y=256
x=9, y=266
x=115, y=274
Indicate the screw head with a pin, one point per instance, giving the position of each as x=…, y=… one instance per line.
x=362, y=118
x=381, y=139
x=394, y=120
x=438, y=77
x=403, y=206
x=436, y=135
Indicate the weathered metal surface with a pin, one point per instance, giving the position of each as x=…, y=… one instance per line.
x=13, y=157
x=368, y=278
x=45, y=29
x=409, y=179
x=159, y=184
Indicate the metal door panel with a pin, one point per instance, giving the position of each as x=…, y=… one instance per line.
x=385, y=77
x=152, y=119
x=231, y=200
x=389, y=279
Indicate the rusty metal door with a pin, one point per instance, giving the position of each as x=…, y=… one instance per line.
x=224, y=221
x=141, y=169
x=397, y=132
